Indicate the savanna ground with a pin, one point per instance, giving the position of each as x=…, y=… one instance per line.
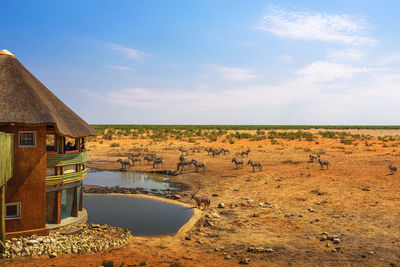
x=356, y=199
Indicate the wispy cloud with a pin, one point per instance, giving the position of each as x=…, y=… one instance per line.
x=233, y=74
x=123, y=68
x=308, y=25
x=128, y=52
x=324, y=71
x=350, y=54
x=286, y=58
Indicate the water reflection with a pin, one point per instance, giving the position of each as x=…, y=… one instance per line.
x=127, y=179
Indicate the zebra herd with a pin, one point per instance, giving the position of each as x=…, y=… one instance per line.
x=127, y=163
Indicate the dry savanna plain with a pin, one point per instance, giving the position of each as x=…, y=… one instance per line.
x=292, y=213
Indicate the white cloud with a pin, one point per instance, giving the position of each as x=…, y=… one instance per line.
x=124, y=68
x=233, y=74
x=324, y=71
x=350, y=54
x=307, y=25
x=128, y=52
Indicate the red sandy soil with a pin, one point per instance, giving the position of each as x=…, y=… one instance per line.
x=356, y=198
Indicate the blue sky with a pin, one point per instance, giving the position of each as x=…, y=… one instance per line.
x=213, y=62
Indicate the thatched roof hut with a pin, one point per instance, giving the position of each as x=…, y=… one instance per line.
x=25, y=100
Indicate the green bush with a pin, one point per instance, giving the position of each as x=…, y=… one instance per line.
x=114, y=145
x=108, y=263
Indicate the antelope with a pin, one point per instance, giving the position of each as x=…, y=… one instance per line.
x=124, y=163
x=200, y=199
x=182, y=158
x=255, y=164
x=323, y=163
x=198, y=165
x=157, y=162
x=392, y=168
x=184, y=150
x=314, y=157
x=134, y=160
x=183, y=164
x=237, y=162
x=225, y=151
x=245, y=152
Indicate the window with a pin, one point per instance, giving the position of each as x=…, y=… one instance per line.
x=27, y=139
x=13, y=210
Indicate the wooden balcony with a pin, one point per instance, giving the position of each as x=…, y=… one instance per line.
x=58, y=160
x=66, y=178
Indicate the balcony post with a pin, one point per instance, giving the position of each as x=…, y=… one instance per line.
x=57, y=208
x=75, y=206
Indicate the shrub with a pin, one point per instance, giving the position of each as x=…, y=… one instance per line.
x=108, y=263
x=114, y=145
x=231, y=141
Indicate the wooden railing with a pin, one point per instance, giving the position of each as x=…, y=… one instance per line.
x=66, y=178
x=56, y=160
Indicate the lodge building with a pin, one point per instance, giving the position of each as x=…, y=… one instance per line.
x=49, y=152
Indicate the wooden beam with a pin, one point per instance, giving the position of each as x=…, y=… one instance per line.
x=75, y=206
x=81, y=199
x=2, y=219
x=57, y=207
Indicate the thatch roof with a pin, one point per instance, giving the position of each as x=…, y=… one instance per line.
x=25, y=100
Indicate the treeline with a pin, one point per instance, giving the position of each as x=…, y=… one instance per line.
x=242, y=127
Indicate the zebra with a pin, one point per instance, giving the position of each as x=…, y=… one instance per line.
x=136, y=155
x=245, y=152
x=237, y=162
x=209, y=150
x=225, y=151
x=216, y=152
x=155, y=157
x=184, y=150
x=157, y=162
x=181, y=165
x=182, y=158
x=255, y=164
x=314, y=157
x=198, y=165
x=134, y=160
x=124, y=163
x=148, y=159
x=323, y=163
x=392, y=168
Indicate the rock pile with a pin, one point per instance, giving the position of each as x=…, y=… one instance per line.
x=92, y=238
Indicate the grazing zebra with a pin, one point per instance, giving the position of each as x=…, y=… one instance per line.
x=148, y=159
x=181, y=165
x=198, y=165
x=157, y=162
x=136, y=155
x=182, y=158
x=255, y=164
x=209, y=150
x=392, y=169
x=314, y=157
x=184, y=150
x=323, y=163
x=155, y=157
x=124, y=163
x=216, y=152
x=134, y=160
x=237, y=162
x=245, y=152
x=200, y=199
x=225, y=151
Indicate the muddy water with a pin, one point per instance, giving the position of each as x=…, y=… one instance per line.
x=142, y=216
